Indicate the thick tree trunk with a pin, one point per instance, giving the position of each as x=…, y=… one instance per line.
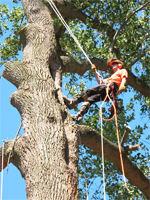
x=47, y=154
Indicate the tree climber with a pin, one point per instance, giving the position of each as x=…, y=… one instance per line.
x=116, y=83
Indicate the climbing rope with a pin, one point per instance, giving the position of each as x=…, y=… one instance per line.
x=68, y=28
x=117, y=130
x=13, y=145
x=112, y=102
x=2, y=172
x=103, y=157
x=120, y=152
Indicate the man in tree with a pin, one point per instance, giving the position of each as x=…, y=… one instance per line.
x=116, y=83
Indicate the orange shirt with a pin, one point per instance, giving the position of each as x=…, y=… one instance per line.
x=118, y=76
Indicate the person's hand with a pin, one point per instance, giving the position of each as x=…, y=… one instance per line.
x=121, y=88
x=93, y=67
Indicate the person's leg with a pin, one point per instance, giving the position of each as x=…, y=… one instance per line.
x=71, y=103
x=90, y=100
x=97, y=90
x=84, y=109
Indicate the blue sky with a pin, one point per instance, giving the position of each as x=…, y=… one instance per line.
x=13, y=183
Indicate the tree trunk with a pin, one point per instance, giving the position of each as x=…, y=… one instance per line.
x=47, y=154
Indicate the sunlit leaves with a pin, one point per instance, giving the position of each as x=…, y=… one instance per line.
x=11, y=45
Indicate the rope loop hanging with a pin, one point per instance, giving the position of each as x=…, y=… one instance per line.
x=113, y=104
x=117, y=131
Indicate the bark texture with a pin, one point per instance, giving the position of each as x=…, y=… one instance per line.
x=47, y=154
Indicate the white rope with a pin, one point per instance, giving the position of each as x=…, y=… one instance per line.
x=84, y=168
x=67, y=27
x=2, y=172
x=13, y=145
x=102, y=147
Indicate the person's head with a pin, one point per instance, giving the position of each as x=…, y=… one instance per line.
x=115, y=63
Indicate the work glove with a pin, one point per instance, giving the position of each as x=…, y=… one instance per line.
x=121, y=88
x=93, y=67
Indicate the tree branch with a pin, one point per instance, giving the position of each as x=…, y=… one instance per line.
x=128, y=147
x=80, y=67
x=127, y=130
x=143, y=53
x=136, y=60
x=14, y=72
x=124, y=23
x=7, y=149
x=70, y=11
x=132, y=147
x=92, y=139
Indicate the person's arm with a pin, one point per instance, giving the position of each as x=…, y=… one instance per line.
x=122, y=85
x=124, y=80
x=97, y=76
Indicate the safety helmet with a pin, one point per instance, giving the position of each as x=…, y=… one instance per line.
x=120, y=64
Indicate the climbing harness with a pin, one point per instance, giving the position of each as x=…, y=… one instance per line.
x=113, y=101
x=111, y=109
x=116, y=123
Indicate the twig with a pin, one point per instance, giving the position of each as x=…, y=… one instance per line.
x=13, y=145
x=132, y=147
x=124, y=23
x=125, y=134
x=130, y=65
x=143, y=53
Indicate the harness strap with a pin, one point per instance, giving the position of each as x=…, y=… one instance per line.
x=113, y=104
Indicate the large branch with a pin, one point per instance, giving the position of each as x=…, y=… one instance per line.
x=92, y=139
x=80, y=67
x=70, y=11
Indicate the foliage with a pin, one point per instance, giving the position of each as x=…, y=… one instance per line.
x=130, y=44
x=10, y=24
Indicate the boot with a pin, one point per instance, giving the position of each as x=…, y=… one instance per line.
x=84, y=108
x=71, y=103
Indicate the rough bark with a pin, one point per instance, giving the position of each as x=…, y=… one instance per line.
x=92, y=139
x=47, y=154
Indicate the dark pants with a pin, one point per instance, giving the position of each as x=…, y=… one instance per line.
x=98, y=93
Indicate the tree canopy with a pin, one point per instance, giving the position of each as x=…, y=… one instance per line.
x=104, y=28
